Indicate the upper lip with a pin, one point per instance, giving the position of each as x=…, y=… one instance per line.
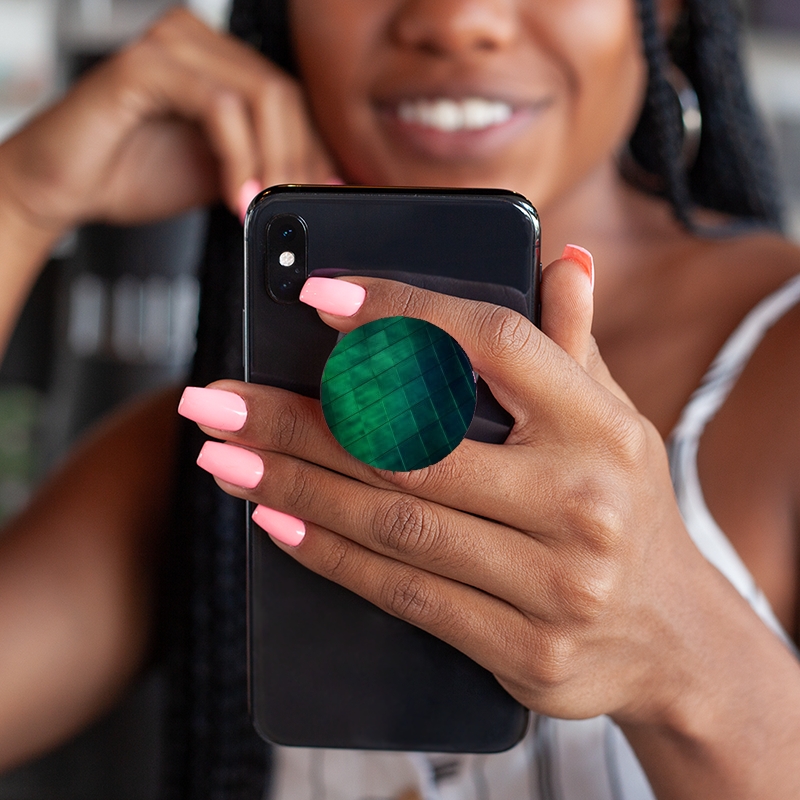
x=493, y=91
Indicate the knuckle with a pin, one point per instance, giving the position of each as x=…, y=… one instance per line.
x=627, y=438
x=588, y=592
x=300, y=490
x=334, y=559
x=412, y=598
x=131, y=72
x=506, y=333
x=594, y=514
x=406, y=525
x=551, y=665
x=414, y=481
x=409, y=300
x=289, y=427
x=439, y=476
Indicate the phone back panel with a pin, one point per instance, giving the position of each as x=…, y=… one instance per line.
x=327, y=668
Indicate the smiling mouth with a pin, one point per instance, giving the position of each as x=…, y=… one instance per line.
x=458, y=129
x=451, y=116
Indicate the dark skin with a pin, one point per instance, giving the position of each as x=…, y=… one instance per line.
x=633, y=621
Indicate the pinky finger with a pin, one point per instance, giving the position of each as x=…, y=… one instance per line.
x=481, y=626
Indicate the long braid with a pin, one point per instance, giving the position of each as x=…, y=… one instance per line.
x=212, y=750
x=656, y=143
x=265, y=25
x=733, y=173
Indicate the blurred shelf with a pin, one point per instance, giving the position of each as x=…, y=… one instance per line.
x=773, y=59
x=773, y=62
x=104, y=25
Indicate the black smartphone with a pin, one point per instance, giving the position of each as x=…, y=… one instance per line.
x=327, y=668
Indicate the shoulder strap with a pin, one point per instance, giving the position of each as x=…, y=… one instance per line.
x=684, y=441
x=726, y=368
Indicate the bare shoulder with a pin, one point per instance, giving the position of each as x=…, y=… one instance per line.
x=760, y=267
x=749, y=458
x=755, y=263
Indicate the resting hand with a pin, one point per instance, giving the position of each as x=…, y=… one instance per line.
x=179, y=118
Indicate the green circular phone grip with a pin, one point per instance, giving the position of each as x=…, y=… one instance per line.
x=398, y=393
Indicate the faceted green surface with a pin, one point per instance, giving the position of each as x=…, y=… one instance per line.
x=398, y=393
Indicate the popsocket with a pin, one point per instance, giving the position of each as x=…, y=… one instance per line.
x=398, y=393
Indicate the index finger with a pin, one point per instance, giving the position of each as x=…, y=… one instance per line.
x=523, y=368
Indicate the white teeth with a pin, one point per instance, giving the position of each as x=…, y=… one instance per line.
x=448, y=115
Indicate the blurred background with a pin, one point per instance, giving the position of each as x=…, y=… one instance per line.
x=114, y=314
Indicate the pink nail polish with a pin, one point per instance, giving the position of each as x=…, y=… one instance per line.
x=334, y=180
x=216, y=408
x=232, y=464
x=334, y=296
x=580, y=255
x=283, y=527
x=249, y=190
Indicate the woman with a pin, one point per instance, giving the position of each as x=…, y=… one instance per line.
x=580, y=583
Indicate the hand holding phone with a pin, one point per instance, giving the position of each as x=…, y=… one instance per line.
x=349, y=674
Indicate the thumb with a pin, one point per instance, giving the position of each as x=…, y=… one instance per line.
x=567, y=310
x=568, y=304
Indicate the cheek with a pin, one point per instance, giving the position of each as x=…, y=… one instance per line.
x=333, y=41
x=610, y=73
x=596, y=47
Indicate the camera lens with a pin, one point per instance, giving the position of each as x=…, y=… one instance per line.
x=286, y=255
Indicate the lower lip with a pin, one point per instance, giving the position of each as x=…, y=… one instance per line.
x=459, y=145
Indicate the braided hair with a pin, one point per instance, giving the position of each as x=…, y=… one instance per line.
x=733, y=172
x=211, y=748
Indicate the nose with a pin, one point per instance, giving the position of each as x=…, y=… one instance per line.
x=450, y=27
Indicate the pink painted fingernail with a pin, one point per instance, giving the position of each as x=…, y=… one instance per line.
x=334, y=296
x=216, y=408
x=250, y=188
x=580, y=255
x=283, y=527
x=334, y=180
x=232, y=464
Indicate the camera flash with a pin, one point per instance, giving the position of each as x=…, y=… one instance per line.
x=286, y=258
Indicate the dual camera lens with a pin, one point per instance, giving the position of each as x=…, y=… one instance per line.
x=287, y=241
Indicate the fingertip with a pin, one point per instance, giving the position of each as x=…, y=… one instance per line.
x=340, y=298
x=284, y=528
x=568, y=303
x=248, y=190
x=214, y=408
x=582, y=257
